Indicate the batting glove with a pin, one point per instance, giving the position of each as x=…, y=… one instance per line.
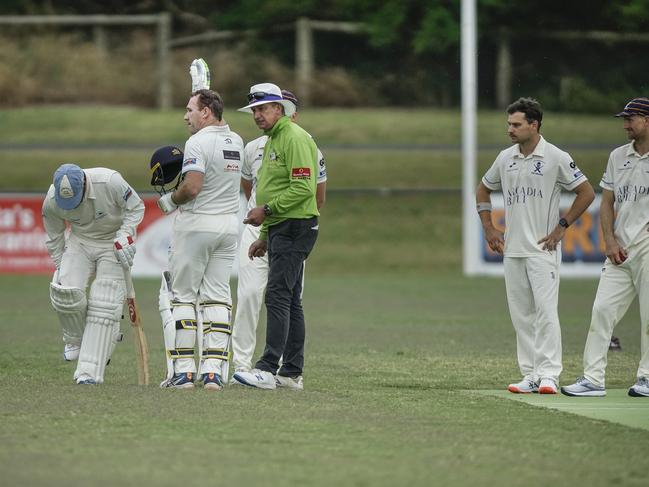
x=166, y=204
x=125, y=250
x=200, y=73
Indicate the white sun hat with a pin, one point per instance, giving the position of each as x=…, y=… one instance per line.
x=267, y=93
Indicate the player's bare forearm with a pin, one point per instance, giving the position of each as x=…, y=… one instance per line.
x=614, y=251
x=189, y=188
x=493, y=236
x=247, y=187
x=321, y=194
x=585, y=196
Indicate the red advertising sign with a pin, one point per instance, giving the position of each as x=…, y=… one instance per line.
x=22, y=236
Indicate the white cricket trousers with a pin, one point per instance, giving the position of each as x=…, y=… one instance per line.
x=200, y=261
x=618, y=285
x=252, y=280
x=532, y=295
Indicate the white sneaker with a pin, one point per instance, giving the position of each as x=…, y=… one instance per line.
x=525, y=386
x=583, y=387
x=295, y=383
x=71, y=351
x=640, y=388
x=547, y=386
x=256, y=378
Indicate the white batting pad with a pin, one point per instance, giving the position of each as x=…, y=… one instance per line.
x=184, y=316
x=216, y=338
x=168, y=323
x=104, y=312
x=70, y=304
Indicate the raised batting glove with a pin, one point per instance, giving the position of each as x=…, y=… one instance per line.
x=125, y=250
x=200, y=73
x=166, y=204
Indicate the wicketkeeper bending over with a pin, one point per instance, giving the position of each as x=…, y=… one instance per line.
x=103, y=212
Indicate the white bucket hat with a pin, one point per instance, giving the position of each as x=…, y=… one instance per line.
x=267, y=93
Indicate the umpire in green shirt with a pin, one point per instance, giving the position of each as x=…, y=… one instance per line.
x=288, y=213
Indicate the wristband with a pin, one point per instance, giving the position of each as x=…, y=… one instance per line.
x=483, y=207
x=267, y=210
x=564, y=223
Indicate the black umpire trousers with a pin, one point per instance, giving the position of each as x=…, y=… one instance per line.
x=289, y=244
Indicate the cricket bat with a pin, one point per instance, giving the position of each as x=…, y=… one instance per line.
x=139, y=341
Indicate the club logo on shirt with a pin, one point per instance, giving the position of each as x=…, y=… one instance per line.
x=631, y=193
x=189, y=162
x=512, y=166
x=232, y=155
x=301, y=173
x=232, y=168
x=626, y=166
x=521, y=194
x=536, y=170
x=272, y=156
x=228, y=140
x=99, y=214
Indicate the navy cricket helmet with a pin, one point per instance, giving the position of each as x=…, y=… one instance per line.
x=166, y=163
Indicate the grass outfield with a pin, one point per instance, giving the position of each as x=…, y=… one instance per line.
x=98, y=136
x=396, y=336
x=389, y=359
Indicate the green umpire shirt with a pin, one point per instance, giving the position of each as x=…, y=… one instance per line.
x=287, y=178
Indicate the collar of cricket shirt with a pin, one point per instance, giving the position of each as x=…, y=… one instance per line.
x=281, y=123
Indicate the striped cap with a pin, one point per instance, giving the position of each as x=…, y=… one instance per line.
x=637, y=106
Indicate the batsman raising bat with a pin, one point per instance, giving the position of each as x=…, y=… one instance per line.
x=103, y=212
x=195, y=294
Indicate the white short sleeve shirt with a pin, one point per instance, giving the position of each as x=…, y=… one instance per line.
x=627, y=176
x=531, y=188
x=217, y=152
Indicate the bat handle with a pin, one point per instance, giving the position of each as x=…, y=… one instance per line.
x=130, y=290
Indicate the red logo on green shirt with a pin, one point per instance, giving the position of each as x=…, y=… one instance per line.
x=301, y=173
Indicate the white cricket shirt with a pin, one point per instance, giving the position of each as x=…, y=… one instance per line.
x=217, y=152
x=254, y=153
x=109, y=207
x=627, y=175
x=531, y=189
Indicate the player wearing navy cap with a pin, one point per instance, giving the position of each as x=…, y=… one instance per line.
x=624, y=215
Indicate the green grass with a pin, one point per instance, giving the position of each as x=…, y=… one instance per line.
x=396, y=336
x=77, y=131
x=389, y=359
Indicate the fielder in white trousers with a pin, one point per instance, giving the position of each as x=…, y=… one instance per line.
x=253, y=277
x=532, y=285
x=617, y=288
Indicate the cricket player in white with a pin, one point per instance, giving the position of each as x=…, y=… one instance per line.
x=103, y=212
x=531, y=175
x=624, y=215
x=253, y=273
x=204, y=242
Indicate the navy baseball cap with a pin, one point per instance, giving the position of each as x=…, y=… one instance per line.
x=637, y=106
x=68, y=186
x=287, y=95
